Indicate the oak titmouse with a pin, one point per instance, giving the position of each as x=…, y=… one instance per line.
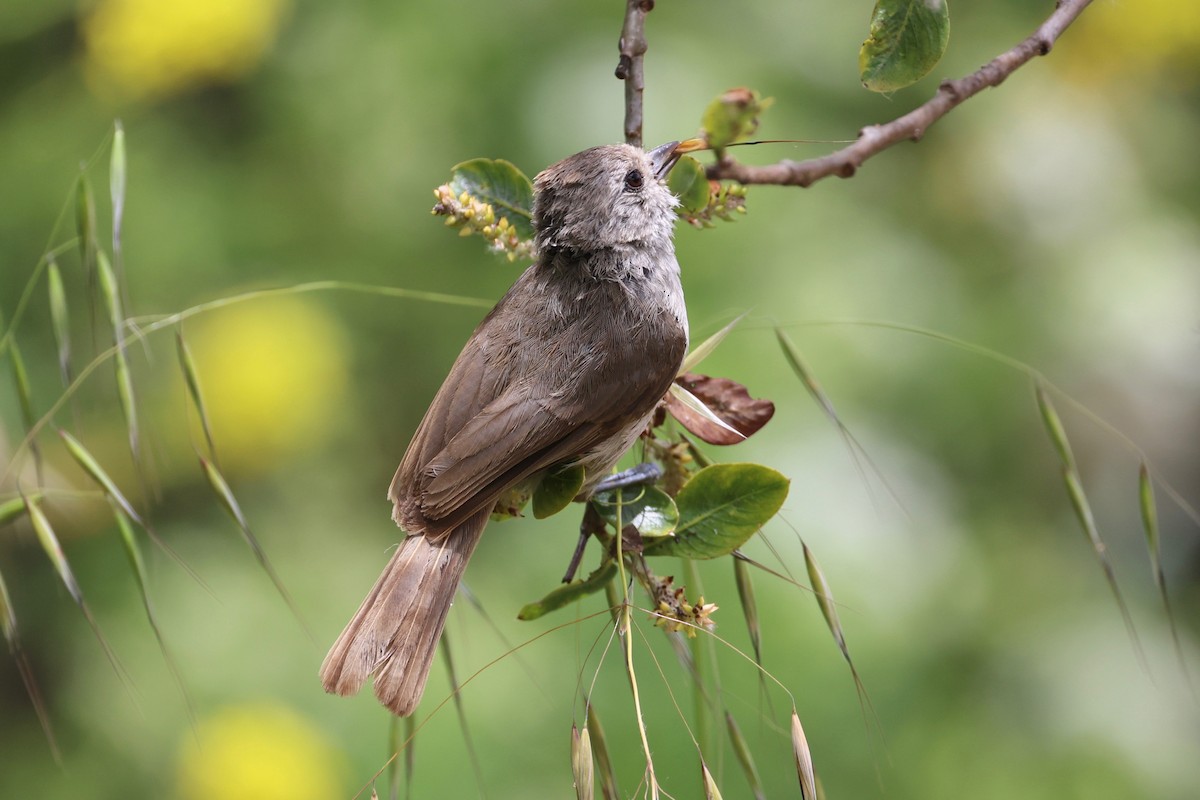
x=566, y=369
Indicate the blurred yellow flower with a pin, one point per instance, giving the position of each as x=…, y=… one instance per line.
x=152, y=48
x=273, y=374
x=1130, y=37
x=257, y=752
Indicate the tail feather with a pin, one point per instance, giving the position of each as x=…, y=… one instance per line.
x=395, y=632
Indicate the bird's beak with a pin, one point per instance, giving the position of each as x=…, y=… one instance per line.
x=666, y=155
x=663, y=157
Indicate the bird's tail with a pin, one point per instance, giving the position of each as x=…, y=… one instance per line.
x=395, y=632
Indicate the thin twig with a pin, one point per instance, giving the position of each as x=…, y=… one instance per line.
x=629, y=68
x=876, y=138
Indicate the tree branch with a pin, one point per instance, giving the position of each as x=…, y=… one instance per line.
x=629, y=68
x=876, y=138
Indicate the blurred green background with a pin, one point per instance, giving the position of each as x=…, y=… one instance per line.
x=273, y=142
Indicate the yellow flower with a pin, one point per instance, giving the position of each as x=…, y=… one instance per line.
x=257, y=752
x=273, y=375
x=152, y=48
x=1129, y=38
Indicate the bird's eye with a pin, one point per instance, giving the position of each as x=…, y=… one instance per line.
x=633, y=180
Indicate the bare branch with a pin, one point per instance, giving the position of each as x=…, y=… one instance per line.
x=876, y=138
x=629, y=68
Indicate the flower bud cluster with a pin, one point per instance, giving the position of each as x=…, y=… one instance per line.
x=675, y=613
x=724, y=200
x=473, y=216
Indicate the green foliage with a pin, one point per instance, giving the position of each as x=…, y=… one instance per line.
x=733, y=116
x=568, y=593
x=720, y=508
x=650, y=510
x=688, y=182
x=499, y=184
x=906, y=40
x=556, y=490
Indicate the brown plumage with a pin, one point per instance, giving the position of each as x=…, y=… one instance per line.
x=567, y=368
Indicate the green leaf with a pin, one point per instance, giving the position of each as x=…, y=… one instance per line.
x=733, y=116
x=650, y=510
x=569, y=593
x=501, y=184
x=720, y=508
x=556, y=490
x=688, y=182
x=907, y=38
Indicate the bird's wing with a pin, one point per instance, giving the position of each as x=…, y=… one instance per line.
x=485, y=432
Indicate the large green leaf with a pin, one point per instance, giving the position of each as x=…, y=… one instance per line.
x=907, y=38
x=650, y=510
x=501, y=184
x=569, y=593
x=720, y=508
x=556, y=490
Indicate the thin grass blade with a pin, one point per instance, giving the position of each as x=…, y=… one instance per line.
x=58, y=559
x=191, y=377
x=225, y=495
x=741, y=749
x=1083, y=509
x=456, y=693
x=25, y=400
x=705, y=348
x=806, y=376
x=582, y=766
x=804, y=764
x=608, y=775
x=1087, y=521
x=8, y=622
x=824, y=594
x=88, y=463
x=1054, y=428
x=1150, y=526
x=745, y=589
x=138, y=565
x=111, y=291
x=85, y=223
x=711, y=792
x=14, y=509
x=117, y=172
x=59, y=319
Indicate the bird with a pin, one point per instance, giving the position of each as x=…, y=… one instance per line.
x=566, y=370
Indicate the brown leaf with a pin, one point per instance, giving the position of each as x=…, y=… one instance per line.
x=727, y=400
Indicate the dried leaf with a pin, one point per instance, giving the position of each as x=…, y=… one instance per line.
x=726, y=399
x=686, y=400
